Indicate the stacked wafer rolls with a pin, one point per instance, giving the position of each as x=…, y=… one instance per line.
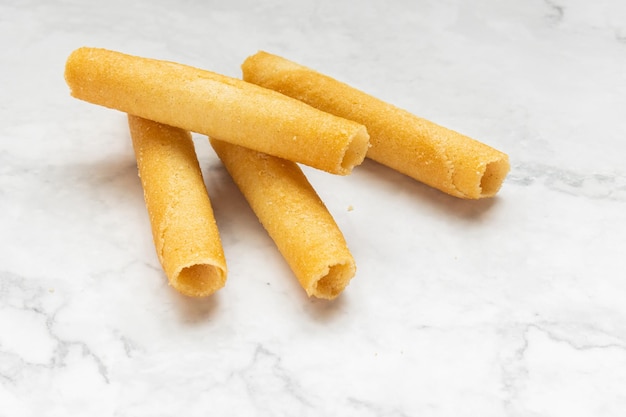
x=280, y=115
x=165, y=101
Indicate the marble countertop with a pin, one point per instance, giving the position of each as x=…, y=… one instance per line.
x=511, y=306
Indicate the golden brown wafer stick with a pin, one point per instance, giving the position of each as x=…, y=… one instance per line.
x=185, y=234
x=216, y=105
x=294, y=216
x=439, y=157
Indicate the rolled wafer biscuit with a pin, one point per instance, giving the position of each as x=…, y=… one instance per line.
x=185, y=234
x=439, y=157
x=218, y=106
x=294, y=216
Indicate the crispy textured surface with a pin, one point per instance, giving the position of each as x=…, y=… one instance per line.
x=218, y=106
x=185, y=234
x=294, y=216
x=439, y=157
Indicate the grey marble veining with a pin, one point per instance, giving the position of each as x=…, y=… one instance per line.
x=512, y=306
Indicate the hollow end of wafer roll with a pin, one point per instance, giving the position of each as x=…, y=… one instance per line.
x=356, y=151
x=477, y=172
x=493, y=177
x=198, y=280
x=333, y=281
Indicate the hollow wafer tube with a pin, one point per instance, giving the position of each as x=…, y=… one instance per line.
x=216, y=105
x=440, y=157
x=294, y=216
x=184, y=230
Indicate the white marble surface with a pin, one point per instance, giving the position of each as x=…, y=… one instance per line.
x=514, y=306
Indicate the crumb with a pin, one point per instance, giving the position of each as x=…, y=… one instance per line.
x=350, y=208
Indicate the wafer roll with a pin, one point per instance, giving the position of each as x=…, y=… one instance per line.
x=294, y=216
x=437, y=156
x=185, y=234
x=216, y=105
